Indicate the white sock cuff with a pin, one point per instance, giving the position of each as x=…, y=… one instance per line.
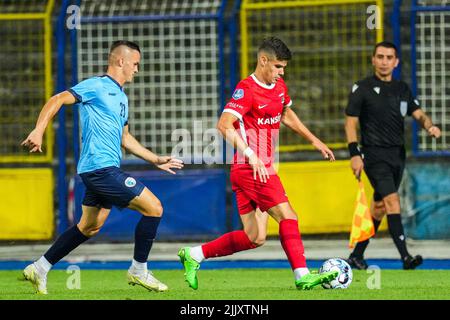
x=139, y=266
x=197, y=254
x=43, y=265
x=300, y=272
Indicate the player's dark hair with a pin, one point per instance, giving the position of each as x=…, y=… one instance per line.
x=385, y=44
x=276, y=48
x=127, y=43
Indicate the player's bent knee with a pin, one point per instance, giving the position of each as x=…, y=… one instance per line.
x=89, y=231
x=159, y=210
x=93, y=232
x=156, y=210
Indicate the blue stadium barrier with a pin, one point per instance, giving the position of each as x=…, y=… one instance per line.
x=430, y=185
x=193, y=201
x=390, y=264
x=61, y=137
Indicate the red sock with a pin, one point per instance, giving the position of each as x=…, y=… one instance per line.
x=227, y=244
x=292, y=243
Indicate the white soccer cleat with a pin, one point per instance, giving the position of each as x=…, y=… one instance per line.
x=39, y=282
x=146, y=280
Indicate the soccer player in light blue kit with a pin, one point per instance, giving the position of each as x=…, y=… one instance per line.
x=104, y=118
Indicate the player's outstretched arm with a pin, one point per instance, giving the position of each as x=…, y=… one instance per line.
x=292, y=121
x=133, y=146
x=34, y=139
x=426, y=123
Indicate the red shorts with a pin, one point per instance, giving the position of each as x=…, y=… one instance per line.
x=252, y=194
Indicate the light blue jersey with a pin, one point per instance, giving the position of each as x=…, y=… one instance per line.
x=103, y=114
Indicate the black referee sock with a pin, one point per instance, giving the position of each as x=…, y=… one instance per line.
x=68, y=241
x=360, y=247
x=144, y=235
x=397, y=234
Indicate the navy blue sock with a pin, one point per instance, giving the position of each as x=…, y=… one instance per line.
x=397, y=234
x=69, y=240
x=144, y=235
x=361, y=246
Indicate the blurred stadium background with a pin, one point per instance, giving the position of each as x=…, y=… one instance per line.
x=193, y=54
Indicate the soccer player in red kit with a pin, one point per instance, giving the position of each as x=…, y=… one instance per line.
x=250, y=122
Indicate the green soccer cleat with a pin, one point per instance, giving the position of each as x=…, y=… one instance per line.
x=311, y=280
x=190, y=267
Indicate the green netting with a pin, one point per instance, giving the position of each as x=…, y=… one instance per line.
x=22, y=6
x=22, y=78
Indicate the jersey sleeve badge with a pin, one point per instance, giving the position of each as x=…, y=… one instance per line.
x=238, y=94
x=403, y=108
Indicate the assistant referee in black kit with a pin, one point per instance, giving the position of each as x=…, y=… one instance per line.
x=379, y=104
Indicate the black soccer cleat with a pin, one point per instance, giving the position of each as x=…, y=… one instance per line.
x=357, y=263
x=410, y=262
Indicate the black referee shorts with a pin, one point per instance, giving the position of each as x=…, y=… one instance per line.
x=384, y=167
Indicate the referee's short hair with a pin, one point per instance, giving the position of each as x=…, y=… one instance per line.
x=126, y=43
x=276, y=48
x=385, y=44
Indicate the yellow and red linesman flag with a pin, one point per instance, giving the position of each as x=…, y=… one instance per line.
x=362, y=227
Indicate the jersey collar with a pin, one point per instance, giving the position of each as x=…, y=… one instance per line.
x=381, y=81
x=265, y=86
x=112, y=79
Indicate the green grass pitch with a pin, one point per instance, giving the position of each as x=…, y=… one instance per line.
x=231, y=284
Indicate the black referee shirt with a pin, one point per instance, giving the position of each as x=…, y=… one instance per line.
x=381, y=107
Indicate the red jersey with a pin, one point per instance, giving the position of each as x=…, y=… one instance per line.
x=259, y=108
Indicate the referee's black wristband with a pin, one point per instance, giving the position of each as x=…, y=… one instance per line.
x=353, y=149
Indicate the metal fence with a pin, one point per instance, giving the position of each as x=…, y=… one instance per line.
x=430, y=47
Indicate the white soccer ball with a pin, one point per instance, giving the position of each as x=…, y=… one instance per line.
x=345, y=276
